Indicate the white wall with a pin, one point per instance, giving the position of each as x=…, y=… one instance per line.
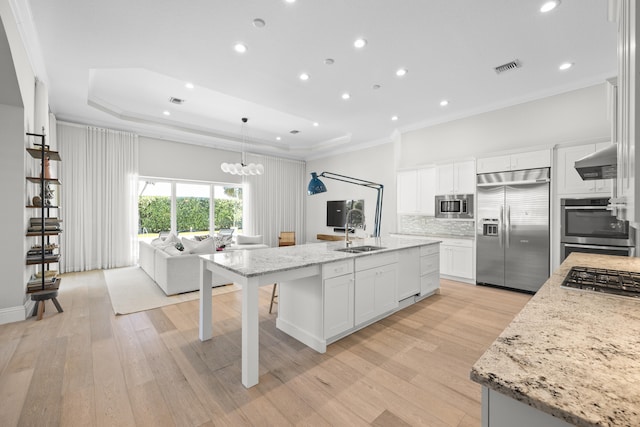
x=579, y=115
x=12, y=253
x=16, y=117
x=168, y=159
x=373, y=164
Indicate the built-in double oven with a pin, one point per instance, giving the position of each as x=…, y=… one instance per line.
x=587, y=226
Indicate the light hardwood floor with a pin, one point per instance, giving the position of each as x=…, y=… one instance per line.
x=88, y=367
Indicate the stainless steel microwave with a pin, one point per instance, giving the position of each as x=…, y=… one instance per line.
x=454, y=206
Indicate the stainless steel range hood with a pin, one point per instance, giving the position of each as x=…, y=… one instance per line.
x=602, y=164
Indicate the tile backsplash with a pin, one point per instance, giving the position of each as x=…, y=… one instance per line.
x=420, y=224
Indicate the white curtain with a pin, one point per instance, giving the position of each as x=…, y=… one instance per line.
x=98, y=173
x=274, y=201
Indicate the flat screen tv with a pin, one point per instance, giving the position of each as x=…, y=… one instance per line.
x=337, y=212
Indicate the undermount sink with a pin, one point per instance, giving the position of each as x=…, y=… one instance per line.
x=360, y=249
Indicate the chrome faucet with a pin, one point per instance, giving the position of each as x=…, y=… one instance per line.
x=347, y=242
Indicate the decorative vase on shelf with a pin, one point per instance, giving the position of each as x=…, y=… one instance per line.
x=47, y=169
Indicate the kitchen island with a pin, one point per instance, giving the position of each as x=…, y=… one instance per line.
x=323, y=291
x=570, y=357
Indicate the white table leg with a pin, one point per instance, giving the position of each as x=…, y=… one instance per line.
x=250, y=357
x=206, y=329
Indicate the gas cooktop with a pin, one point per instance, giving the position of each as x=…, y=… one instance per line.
x=624, y=283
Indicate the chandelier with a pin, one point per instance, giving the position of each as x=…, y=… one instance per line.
x=242, y=168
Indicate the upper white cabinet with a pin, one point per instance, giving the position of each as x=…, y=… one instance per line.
x=512, y=162
x=456, y=178
x=569, y=181
x=416, y=191
x=627, y=105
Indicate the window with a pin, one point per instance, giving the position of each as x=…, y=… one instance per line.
x=192, y=208
x=187, y=208
x=154, y=208
x=228, y=207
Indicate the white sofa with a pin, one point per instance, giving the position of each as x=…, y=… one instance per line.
x=176, y=271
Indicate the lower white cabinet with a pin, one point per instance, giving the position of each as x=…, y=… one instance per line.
x=375, y=287
x=456, y=258
x=499, y=410
x=349, y=294
x=429, y=269
x=408, y=273
x=338, y=305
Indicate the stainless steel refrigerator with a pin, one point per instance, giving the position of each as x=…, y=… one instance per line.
x=512, y=229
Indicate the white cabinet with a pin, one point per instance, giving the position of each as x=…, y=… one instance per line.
x=456, y=178
x=627, y=119
x=429, y=269
x=499, y=410
x=569, y=181
x=375, y=286
x=456, y=258
x=416, y=191
x=338, y=305
x=518, y=161
x=408, y=273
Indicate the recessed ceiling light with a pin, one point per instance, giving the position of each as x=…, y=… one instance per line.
x=259, y=23
x=329, y=61
x=278, y=138
x=189, y=85
x=444, y=103
x=549, y=6
x=402, y=72
x=346, y=96
x=316, y=124
x=290, y=1
x=565, y=66
x=394, y=118
x=240, y=48
x=304, y=76
x=166, y=113
x=360, y=43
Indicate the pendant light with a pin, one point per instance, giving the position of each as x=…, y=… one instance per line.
x=242, y=168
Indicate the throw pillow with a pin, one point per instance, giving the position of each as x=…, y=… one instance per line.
x=157, y=242
x=206, y=246
x=171, y=239
x=242, y=239
x=171, y=250
x=189, y=244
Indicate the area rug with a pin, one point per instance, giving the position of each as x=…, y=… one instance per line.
x=132, y=290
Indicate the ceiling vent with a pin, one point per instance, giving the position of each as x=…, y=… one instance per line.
x=294, y=132
x=508, y=66
x=175, y=100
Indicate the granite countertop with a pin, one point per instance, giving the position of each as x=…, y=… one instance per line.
x=571, y=353
x=263, y=261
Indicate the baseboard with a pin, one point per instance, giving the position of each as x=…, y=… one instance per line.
x=17, y=313
x=303, y=336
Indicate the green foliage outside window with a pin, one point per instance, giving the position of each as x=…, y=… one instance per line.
x=192, y=213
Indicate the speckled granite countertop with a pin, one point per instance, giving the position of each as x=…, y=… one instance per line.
x=571, y=353
x=262, y=261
